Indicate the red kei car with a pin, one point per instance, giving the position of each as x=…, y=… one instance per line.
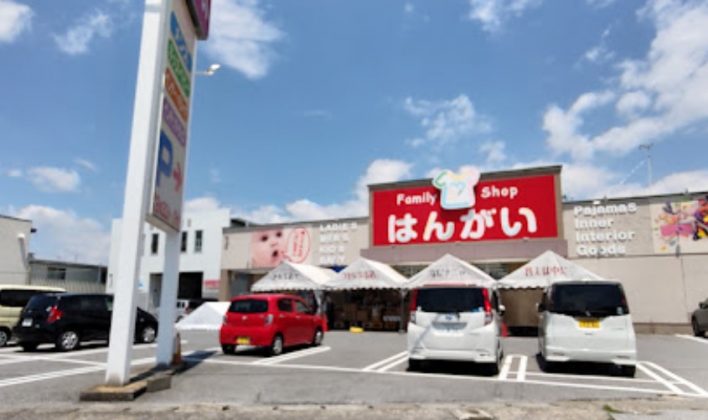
x=274, y=321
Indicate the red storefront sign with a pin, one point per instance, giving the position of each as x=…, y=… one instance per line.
x=505, y=209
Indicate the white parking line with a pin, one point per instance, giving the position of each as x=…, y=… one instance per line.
x=589, y=377
x=290, y=356
x=63, y=373
x=692, y=338
x=695, y=388
x=396, y=362
x=521, y=374
x=506, y=366
x=454, y=377
x=671, y=386
x=20, y=359
x=376, y=365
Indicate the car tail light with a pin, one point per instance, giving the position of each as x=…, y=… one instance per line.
x=54, y=314
x=269, y=319
x=413, y=306
x=487, y=307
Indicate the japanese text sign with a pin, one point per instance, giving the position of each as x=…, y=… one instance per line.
x=504, y=209
x=171, y=152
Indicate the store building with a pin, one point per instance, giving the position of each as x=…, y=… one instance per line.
x=199, y=262
x=656, y=246
x=250, y=252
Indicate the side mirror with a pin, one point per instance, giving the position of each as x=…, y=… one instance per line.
x=703, y=305
x=501, y=310
x=541, y=307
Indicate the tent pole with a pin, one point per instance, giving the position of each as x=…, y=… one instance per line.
x=402, y=293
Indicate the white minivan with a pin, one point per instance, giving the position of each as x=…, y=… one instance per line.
x=587, y=321
x=451, y=322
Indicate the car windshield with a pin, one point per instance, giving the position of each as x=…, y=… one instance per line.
x=249, y=306
x=589, y=300
x=462, y=299
x=40, y=303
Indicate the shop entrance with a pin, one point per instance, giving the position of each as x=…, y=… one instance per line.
x=377, y=310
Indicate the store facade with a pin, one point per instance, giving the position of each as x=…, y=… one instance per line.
x=656, y=246
x=250, y=252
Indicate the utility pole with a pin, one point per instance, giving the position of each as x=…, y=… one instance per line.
x=647, y=147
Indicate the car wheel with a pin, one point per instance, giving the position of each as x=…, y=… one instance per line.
x=493, y=368
x=317, y=338
x=29, y=346
x=696, y=329
x=415, y=365
x=628, y=371
x=4, y=337
x=147, y=334
x=277, y=347
x=68, y=341
x=228, y=348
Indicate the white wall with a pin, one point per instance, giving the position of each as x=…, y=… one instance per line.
x=14, y=249
x=208, y=261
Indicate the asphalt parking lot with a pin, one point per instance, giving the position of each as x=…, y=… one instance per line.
x=368, y=368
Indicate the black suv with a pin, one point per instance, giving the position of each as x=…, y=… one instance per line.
x=67, y=319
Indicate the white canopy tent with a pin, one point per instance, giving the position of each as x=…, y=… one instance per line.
x=367, y=274
x=291, y=276
x=208, y=316
x=544, y=270
x=451, y=270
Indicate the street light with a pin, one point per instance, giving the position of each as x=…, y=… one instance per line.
x=210, y=71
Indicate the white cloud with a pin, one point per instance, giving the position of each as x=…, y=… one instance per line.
x=14, y=173
x=87, y=164
x=600, y=53
x=15, y=18
x=562, y=126
x=495, y=152
x=408, y=8
x=446, y=121
x=241, y=38
x=599, y=3
x=492, y=14
x=50, y=179
x=77, y=38
x=63, y=235
x=200, y=204
x=379, y=171
x=632, y=103
x=666, y=89
x=693, y=181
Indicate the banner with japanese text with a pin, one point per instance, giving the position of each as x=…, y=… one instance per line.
x=503, y=209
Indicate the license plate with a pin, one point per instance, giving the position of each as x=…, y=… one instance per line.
x=589, y=323
x=243, y=341
x=27, y=322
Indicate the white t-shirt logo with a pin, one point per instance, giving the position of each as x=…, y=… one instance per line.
x=457, y=189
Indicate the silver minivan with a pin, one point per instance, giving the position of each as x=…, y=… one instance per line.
x=587, y=321
x=460, y=323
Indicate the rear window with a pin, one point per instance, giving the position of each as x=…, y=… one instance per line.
x=450, y=300
x=249, y=306
x=588, y=300
x=16, y=298
x=41, y=302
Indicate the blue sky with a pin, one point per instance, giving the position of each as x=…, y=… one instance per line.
x=317, y=99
